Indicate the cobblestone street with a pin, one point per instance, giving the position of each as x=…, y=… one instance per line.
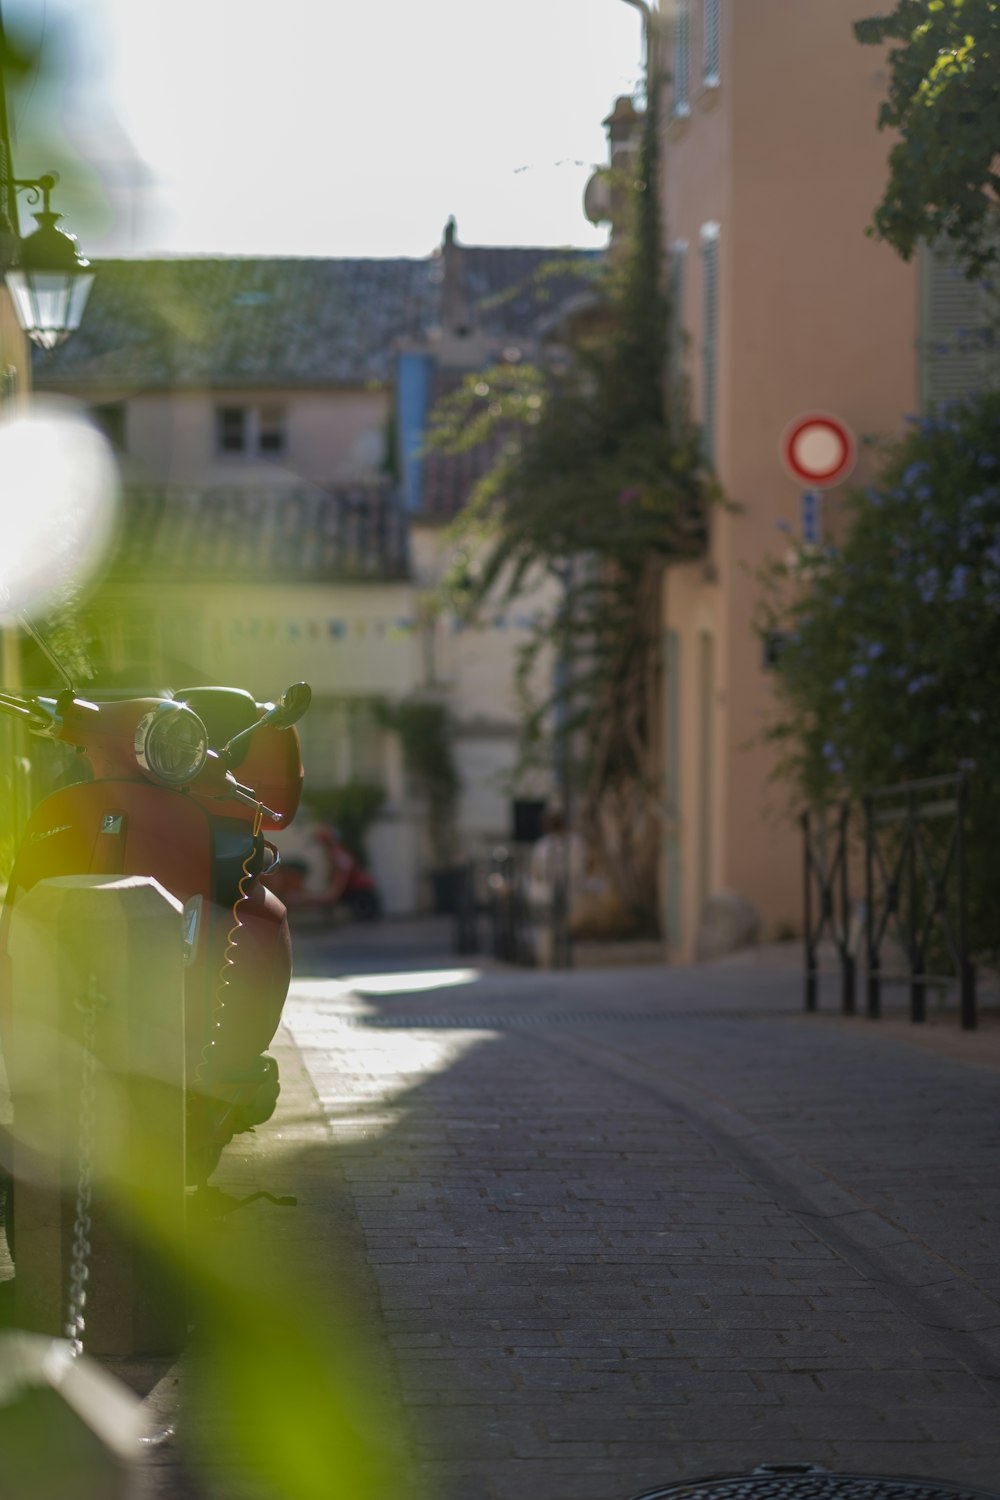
x=634, y=1226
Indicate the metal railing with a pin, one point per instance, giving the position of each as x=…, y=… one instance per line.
x=915, y=894
x=827, y=903
x=494, y=894
x=919, y=888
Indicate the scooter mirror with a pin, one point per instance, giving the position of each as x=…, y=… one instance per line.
x=292, y=705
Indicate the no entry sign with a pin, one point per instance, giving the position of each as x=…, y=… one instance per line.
x=818, y=450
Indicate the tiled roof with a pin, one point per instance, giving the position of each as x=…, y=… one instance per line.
x=448, y=478
x=243, y=322
x=514, y=290
x=250, y=322
x=355, y=532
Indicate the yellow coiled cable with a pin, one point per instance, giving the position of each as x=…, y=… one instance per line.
x=222, y=984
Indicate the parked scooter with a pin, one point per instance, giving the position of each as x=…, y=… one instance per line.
x=183, y=788
x=346, y=881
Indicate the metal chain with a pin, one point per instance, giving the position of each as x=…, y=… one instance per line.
x=79, y=1270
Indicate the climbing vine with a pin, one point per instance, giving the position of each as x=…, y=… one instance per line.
x=597, y=482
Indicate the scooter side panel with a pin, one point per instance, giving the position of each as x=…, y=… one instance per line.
x=114, y=828
x=117, y=828
x=133, y=828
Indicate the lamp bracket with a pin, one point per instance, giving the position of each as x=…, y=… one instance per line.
x=37, y=187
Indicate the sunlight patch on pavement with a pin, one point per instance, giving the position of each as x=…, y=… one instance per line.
x=414, y=983
x=363, y=1077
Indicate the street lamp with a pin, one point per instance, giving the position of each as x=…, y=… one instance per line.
x=49, y=280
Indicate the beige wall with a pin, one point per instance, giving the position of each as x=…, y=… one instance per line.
x=474, y=668
x=13, y=344
x=344, y=639
x=333, y=436
x=348, y=641
x=785, y=157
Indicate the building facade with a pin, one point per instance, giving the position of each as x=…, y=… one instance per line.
x=280, y=517
x=772, y=166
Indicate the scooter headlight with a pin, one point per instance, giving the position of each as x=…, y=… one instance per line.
x=172, y=743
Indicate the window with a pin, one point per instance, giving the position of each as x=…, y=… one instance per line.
x=527, y=820
x=709, y=338
x=710, y=50
x=956, y=357
x=342, y=740
x=682, y=57
x=675, y=345
x=271, y=430
x=251, y=429
x=109, y=419
x=232, y=428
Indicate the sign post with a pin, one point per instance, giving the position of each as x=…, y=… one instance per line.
x=818, y=451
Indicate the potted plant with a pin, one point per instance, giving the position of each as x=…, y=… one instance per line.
x=424, y=729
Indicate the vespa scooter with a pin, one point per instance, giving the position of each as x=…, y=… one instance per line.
x=164, y=801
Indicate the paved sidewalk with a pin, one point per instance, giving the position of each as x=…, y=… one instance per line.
x=606, y=1230
x=640, y=1225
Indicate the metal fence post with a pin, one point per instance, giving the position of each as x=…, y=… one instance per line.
x=810, y=953
x=466, y=924
x=874, y=995
x=918, y=989
x=847, y=1001
x=967, y=973
x=561, y=948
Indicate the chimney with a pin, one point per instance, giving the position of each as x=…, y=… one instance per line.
x=606, y=197
x=456, y=314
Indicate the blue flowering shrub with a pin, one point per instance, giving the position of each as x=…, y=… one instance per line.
x=890, y=660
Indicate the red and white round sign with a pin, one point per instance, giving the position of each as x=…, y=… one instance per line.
x=818, y=450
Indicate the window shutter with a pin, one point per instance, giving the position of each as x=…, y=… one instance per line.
x=710, y=68
x=954, y=314
x=709, y=338
x=682, y=57
x=675, y=342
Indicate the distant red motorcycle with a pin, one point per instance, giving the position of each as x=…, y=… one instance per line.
x=348, y=883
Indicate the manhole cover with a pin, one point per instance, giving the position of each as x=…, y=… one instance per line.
x=809, y=1482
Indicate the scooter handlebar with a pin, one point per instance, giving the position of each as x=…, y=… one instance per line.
x=245, y=795
x=40, y=715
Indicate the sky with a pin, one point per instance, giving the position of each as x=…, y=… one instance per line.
x=321, y=127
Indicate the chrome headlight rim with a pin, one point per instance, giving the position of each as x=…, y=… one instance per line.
x=160, y=740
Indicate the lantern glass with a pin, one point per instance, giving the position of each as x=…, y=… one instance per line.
x=49, y=304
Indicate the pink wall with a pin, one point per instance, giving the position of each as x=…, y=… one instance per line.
x=785, y=156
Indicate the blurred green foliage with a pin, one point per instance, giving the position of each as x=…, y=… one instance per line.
x=597, y=480
x=351, y=808
x=944, y=103
x=889, y=666
x=279, y=1399
x=425, y=732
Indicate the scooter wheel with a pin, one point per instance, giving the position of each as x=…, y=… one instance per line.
x=265, y=1098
